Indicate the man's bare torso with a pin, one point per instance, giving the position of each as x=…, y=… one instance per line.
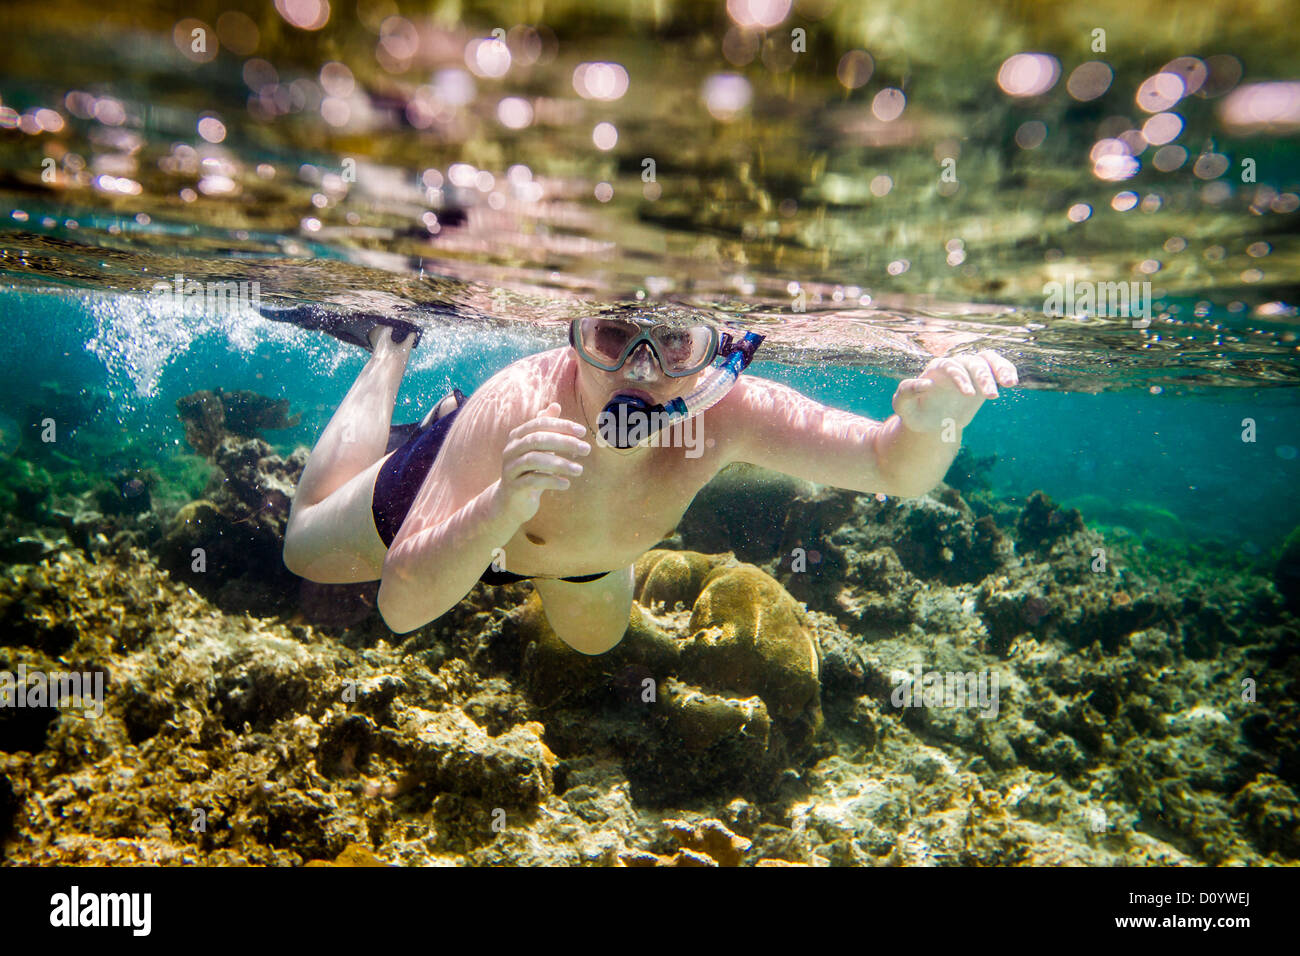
x=622, y=504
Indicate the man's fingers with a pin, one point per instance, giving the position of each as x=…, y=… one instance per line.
x=538, y=482
x=1003, y=369
x=982, y=374
x=548, y=423
x=910, y=387
x=957, y=372
x=560, y=443
x=541, y=462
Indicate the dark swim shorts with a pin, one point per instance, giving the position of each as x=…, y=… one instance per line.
x=399, y=481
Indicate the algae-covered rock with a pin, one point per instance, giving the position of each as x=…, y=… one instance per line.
x=207, y=547
x=942, y=538
x=557, y=674
x=703, y=722
x=883, y=595
x=1042, y=522
x=353, y=855
x=747, y=637
x=230, y=740
x=25, y=489
x=1131, y=726
x=230, y=544
x=1271, y=810
x=1286, y=573
x=210, y=416
x=745, y=509
x=204, y=418
x=670, y=578
x=447, y=751
x=707, y=843
x=249, y=414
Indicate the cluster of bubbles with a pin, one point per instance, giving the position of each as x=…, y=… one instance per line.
x=1272, y=107
x=1116, y=154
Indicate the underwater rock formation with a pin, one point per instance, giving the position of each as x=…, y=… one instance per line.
x=285, y=741
x=745, y=510
x=1083, y=637
x=721, y=685
x=1041, y=523
x=707, y=843
x=1120, y=719
x=209, y=416
x=1286, y=573
x=353, y=855
x=229, y=545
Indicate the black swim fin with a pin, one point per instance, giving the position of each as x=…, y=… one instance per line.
x=351, y=327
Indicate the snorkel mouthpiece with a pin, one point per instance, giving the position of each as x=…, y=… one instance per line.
x=628, y=421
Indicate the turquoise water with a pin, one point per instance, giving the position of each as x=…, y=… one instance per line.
x=1179, y=450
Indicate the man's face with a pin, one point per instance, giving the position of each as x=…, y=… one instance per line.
x=640, y=376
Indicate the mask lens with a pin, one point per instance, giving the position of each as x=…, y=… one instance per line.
x=683, y=349
x=605, y=339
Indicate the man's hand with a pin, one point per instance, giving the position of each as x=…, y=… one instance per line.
x=537, y=458
x=952, y=388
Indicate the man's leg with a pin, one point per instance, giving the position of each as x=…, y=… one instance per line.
x=331, y=536
x=357, y=435
x=590, y=617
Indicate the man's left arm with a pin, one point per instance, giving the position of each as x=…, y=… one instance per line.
x=905, y=455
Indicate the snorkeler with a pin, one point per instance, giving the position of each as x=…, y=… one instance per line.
x=517, y=479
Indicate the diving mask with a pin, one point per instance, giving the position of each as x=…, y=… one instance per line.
x=681, y=350
x=628, y=420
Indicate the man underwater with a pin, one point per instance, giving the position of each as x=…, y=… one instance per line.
x=520, y=467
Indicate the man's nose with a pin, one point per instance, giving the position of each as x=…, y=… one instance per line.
x=642, y=366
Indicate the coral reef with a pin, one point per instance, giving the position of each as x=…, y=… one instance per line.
x=764, y=707
x=228, y=545
x=688, y=699
x=1286, y=573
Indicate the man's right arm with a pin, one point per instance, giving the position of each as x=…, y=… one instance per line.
x=428, y=570
x=434, y=561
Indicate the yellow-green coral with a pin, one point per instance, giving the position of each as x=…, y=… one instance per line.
x=672, y=577
x=748, y=636
x=704, y=720
x=734, y=694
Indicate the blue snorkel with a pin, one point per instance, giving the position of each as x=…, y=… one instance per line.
x=629, y=415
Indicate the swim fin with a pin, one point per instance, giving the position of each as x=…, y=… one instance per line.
x=351, y=327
